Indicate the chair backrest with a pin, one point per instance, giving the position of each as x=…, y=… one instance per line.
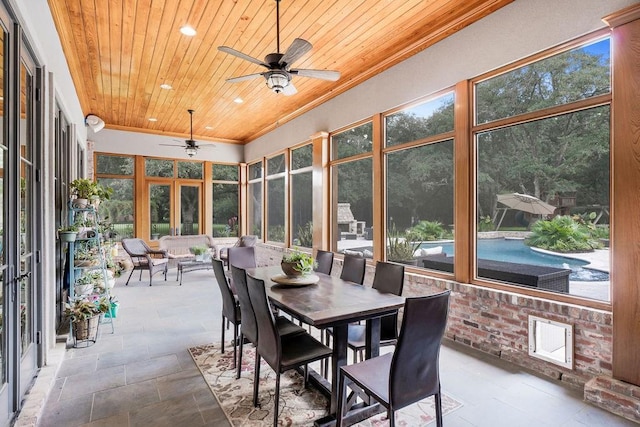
x=135, y=247
x=228, y=301
x=249, y=326
x=353, y=269
x=415, y=368
x=268, y=338
x=242, y=257
x=325, y=262
x=247, y=241
x=389, y=278
x=138, y=251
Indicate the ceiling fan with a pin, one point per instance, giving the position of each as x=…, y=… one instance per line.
x=278, y=65
x=190, y=145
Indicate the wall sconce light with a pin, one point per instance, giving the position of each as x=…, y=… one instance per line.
x=94, y=122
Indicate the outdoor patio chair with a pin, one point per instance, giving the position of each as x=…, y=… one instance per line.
x=324, y=260
x=281, y=354
x=411, y=372
x=145, y=258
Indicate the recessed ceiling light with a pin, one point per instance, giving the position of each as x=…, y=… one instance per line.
x=187, y=30
x=152, y=119
x=238, y=100
x=166, y=86
x=208, y=127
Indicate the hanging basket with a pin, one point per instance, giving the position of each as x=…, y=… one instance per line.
x=85, y=332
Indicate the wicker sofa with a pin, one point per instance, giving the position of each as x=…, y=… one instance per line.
x=178, y=247
x=537, y=276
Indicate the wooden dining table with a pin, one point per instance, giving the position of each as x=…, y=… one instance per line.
x=333, y=302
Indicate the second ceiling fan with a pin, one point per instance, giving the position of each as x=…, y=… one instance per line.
x=279, y=72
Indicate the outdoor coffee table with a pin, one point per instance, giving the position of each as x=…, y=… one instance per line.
x=192, y=265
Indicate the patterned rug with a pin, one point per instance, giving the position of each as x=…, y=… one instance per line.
x=298, y=406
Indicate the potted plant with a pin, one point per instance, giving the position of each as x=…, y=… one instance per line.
x=68, y=233
x=85, y=257
x=400, y=248
x=199, y=252
x=84, y=314
x=83, y=189
x=297, y=263
x=100, y=193
x=84, y=285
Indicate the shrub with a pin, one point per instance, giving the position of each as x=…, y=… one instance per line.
x=305, y=235
x=400, y=246
x=485, y=224
x=562, y=234
x=427, y=230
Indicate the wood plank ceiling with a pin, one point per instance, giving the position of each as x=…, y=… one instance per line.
x=121, y=51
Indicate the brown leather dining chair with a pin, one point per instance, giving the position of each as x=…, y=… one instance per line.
x=230, y=307
x=411, y=372
x=389, y=278
x=249, y=329
x=282, y=354
x=242, y=257
x=353, y=269
x=324, y=260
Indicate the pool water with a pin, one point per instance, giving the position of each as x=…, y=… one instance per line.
x=514, y=250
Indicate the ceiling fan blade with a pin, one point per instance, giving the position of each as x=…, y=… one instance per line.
x=298, y=48
x=172, y=145
x=241, y=55
x=289, y=89
x=318, y=74
x=243, y=78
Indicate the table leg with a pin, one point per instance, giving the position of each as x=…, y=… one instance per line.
x=338, y=359
x=372, y=338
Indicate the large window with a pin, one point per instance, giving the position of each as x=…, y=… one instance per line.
x=544, y=179
x=300, y=178
x=225, y=200
x=352, y=177
x=276, y=207
x=254, y=199
x=117, y=173
x=419, y=183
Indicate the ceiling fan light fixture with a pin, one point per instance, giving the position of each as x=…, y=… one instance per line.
x=191, y=151
x=277, y=81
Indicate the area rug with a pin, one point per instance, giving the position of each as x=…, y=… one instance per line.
x=298, y=406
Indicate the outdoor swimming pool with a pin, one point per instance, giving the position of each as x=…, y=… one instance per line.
x=514, y=250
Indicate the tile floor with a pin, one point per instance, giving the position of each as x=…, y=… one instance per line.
x=142, y=374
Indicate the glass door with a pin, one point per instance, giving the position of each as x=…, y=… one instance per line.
x=189, y=209
x=160, y=212
x=27, y=279
x=5, y=390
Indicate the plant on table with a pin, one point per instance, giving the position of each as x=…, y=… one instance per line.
x=297, y=263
